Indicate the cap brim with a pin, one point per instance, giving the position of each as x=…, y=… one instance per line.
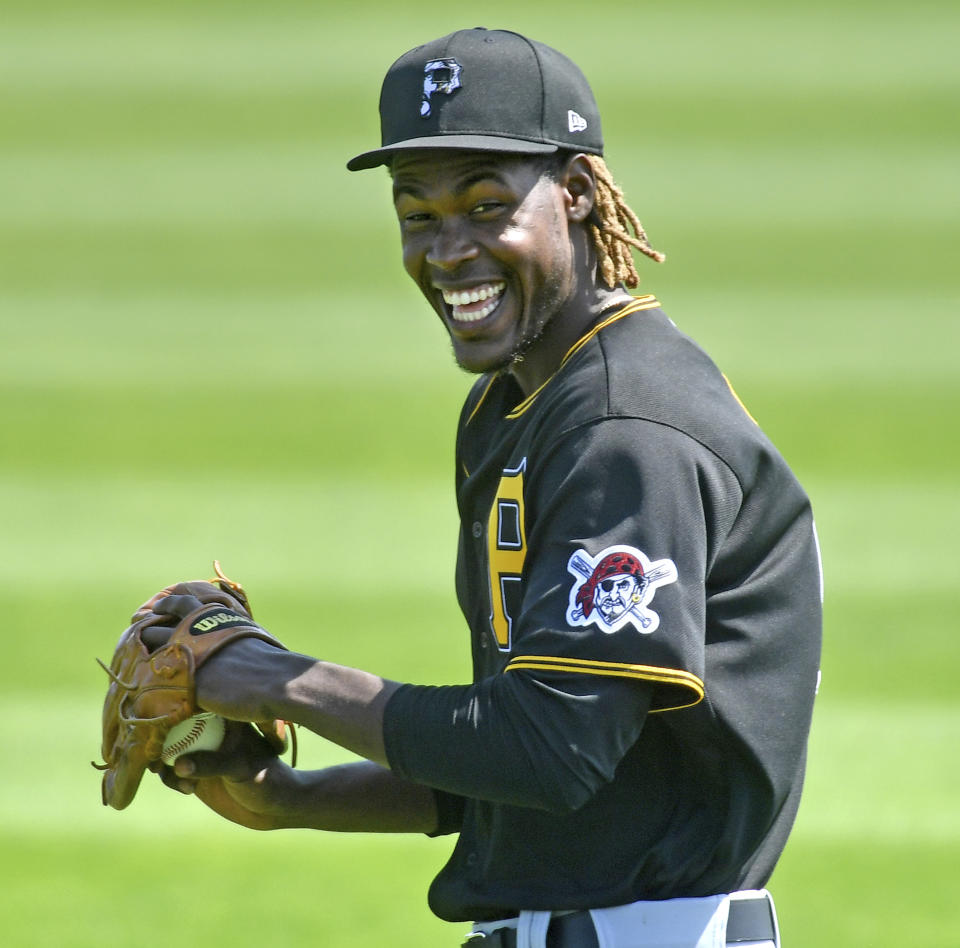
x=507, y=146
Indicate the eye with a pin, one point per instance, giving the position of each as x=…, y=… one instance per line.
x=486, y=208
x=414, y=219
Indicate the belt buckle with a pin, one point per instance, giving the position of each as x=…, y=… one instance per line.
x=500, y=938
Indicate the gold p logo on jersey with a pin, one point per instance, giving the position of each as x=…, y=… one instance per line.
x=506, y=552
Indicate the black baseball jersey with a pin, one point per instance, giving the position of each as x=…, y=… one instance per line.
x=639, y=571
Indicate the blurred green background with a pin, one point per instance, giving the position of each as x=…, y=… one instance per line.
x=208, y=349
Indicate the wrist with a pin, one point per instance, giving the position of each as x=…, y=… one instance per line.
x=343, y=705
x=290, y=687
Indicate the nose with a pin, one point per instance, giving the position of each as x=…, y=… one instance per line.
x=451, y=246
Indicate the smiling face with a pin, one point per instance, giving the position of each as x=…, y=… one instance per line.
x=487, y=239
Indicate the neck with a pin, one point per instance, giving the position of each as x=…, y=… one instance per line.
x=543, y=358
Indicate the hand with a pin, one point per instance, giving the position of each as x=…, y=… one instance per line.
x=202, y=592
x=175, y=601
x=257, y=679
x=244, y=781
x=231, y=682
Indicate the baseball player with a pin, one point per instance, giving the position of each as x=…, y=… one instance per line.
x=637, y=565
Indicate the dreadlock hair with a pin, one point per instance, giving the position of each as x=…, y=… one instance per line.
x=610, y=223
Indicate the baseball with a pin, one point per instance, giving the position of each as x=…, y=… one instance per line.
x=202, y=732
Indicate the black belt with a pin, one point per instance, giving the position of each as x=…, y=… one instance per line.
x=749, y=920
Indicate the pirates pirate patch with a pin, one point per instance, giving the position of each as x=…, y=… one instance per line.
x=615, y=588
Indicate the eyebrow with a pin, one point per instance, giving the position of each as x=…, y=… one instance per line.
x=484, y=173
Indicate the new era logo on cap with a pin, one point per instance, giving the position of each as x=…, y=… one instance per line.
x=575, y=121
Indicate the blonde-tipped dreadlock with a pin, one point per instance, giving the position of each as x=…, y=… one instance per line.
x=611, y=219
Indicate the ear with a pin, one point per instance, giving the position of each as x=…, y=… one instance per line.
x=579, y=188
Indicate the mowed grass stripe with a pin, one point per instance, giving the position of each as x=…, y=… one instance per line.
x=262, y=181
x=240, y=889
x=290, y=257
x=823, y=342
x=867, y=759
x=366, y=343
x=60, y=738
x=374, y=439
x=768, y=341
x=868, y=892
x=846, y=798
x=212, y=49
x=280, y=533
x=877, y=538
x=294, y=529
x=130, y=120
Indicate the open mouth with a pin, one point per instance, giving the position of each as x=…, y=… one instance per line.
x=470, y=306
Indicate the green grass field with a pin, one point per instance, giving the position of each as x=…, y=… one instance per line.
x=208, y=349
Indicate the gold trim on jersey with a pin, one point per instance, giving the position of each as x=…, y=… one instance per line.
x=739, y=400
x=480, y=400
x=640, y=303
x=581, y=666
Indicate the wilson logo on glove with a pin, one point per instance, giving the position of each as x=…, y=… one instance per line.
x=219, y=620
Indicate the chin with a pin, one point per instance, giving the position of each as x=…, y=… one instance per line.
x=479, y=361
x=482, y=366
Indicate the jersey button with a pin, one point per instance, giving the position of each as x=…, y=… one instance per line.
x=472, y=859
x=477, y=529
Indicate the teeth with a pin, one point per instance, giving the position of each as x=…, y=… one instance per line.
x=473, y=317
x=486, y=291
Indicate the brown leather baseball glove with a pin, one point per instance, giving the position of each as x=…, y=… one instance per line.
x=152, y=686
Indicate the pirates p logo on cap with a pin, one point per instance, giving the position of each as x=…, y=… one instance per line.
x=439, y=75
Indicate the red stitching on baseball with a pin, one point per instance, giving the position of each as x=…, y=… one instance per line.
x=187, y=739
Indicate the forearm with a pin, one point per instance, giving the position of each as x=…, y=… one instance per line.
x=252, y=681
x=264, y=793
x=343, y=705
x=359, y=797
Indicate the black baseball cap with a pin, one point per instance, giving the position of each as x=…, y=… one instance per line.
x=485, y=90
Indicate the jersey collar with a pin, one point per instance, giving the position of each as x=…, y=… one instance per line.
x=640, y=303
